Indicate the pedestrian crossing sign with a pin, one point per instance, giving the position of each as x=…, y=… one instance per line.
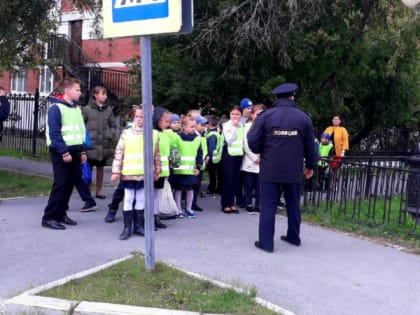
x=144, y=17
x=134, y=10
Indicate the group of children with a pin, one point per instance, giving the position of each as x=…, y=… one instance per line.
x=184, y=148
x=178, y=155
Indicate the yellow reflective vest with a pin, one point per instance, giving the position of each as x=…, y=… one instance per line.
x=236, y=148
x=165, y=151
x=188, y=151
x=217, y=152
x=72, y=126
x=205, y=150
x=133, y=161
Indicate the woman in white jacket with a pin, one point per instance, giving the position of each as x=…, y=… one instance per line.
x=251, y=166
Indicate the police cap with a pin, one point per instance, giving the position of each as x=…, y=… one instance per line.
x=285, y=90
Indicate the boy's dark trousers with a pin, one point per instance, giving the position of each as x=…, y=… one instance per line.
x=66, y=175
x=212, y=170
x=117, y=196
x=219, y=178
x=323, y=178
x=251, y=188
x=196, y=189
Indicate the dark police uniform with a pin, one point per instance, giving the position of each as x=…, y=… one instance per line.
x=283, y=135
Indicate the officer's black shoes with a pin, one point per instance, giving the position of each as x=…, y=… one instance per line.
x=293, y=242
x=196, y=207
x=67, y=220
x=53, y=224
x=258, y=245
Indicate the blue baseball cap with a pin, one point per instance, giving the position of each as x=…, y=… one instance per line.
x=245, y=103
x=200, y=120
x=174, y=117
x=326, y=136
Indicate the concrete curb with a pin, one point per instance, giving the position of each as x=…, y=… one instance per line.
x=29, y=303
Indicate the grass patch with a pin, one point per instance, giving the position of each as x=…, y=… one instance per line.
x=381, y=221
x=24, y=155
x=129, y=283
x=15, y=184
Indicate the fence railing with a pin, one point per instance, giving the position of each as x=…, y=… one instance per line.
x=372, y=191
x=24, y=130
x=21, y=129
x=64, y=51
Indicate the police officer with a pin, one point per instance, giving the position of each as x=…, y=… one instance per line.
x=283, y=135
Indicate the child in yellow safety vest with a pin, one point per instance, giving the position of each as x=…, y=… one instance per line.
x=233, y=150
x=161, y=118
x=326, y=149
x=185, y=174
x=214, y=147
x=128, y=165
x=200, y=127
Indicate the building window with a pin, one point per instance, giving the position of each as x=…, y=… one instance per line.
x=19, y=82
x=46, y=80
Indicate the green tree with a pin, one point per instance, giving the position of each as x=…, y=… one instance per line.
x=355, y=58
x=24, y=25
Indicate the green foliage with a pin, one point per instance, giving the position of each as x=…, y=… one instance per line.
x=23, y=26
x=354, y=58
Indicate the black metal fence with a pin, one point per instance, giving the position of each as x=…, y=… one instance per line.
x=22, y=130
x=372, y=191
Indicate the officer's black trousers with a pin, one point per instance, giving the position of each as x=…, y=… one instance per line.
x=270, y=195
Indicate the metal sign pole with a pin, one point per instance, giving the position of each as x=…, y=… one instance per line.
x=146, y=89
x=128, y=18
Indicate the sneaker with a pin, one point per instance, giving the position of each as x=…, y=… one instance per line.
x=196, y=207
x=190, y=214
x=208, y=195
x=89, y=206
x=249, y=208
x=181, y=215
x=203, y=193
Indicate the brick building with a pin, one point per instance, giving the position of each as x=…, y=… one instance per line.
x=78, y=51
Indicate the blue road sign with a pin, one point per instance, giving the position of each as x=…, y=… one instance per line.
x=147, y=17
x=137, y=10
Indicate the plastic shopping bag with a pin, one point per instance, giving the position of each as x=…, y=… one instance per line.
x=86, y=172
